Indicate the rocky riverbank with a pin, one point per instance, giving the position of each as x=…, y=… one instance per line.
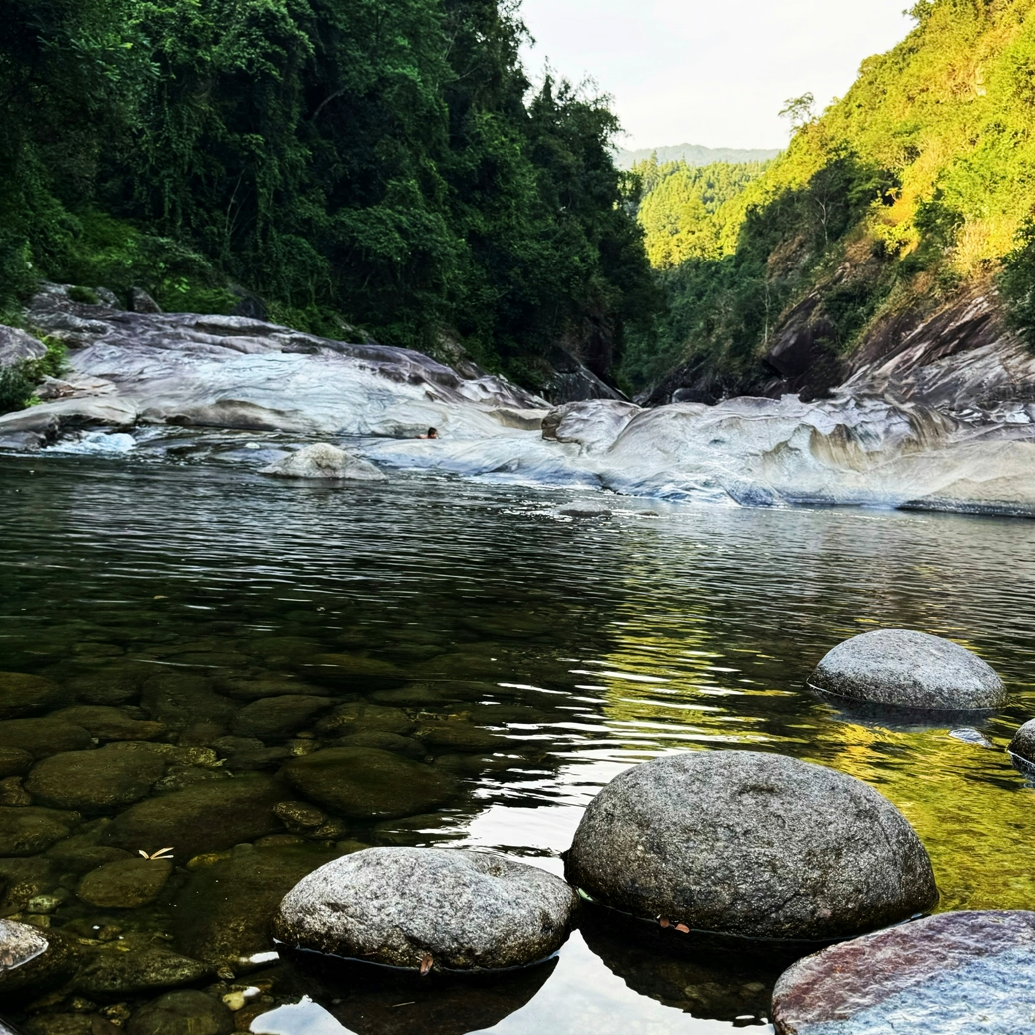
x=929, y=428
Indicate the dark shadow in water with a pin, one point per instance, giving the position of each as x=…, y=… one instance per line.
x=706, y=976
x=899, y=718
x=375, y=1000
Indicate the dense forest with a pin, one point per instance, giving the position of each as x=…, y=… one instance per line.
x=340, y=165
x=915, y=188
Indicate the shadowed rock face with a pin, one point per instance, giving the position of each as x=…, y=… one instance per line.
x=750, y=844
x=909, y=669
x=953, y=974
x=1022, y=749
x=414, y=907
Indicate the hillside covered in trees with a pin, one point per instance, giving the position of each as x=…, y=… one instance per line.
x=915, y=189
x=381, y=164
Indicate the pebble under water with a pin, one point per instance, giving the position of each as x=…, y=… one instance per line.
x=522, y=656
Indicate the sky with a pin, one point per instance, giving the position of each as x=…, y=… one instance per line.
x=711, y=72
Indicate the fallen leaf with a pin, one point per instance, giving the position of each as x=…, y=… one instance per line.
x=663, y=920
x=682, y=928
x=426, y=964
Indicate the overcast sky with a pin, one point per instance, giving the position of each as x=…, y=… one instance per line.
x=713, y=73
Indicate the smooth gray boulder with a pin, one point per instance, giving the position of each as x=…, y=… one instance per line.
x=750, y=844
x=908, y=669
x=1022, y=749
x=428, y=907
x=17, y=345
x=953, y=974
x=327, y=462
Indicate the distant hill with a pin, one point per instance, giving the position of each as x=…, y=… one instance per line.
x=693, y=154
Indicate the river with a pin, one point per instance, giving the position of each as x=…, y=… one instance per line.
x=562, y=650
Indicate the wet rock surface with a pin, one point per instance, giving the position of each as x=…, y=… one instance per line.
x=44, y=736
x=951, y=974
x=19, y=943
x=144, y=970
x=209, y=816
x=125, y=883
x=750, y=844
x=398, y=906
x=182, y=1013
x=224, y=909
x=278, y=716
x=24, y=694
x=26, y=831
x=322, y=461
x=366, y=783
x=97, y=780
x=909, y=669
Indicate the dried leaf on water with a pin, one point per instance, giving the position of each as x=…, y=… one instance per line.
x=426, y=964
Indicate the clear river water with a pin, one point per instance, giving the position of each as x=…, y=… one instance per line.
x=473, y=628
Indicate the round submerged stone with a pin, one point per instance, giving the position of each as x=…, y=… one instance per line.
x=956, y=972
x=428, y=907
x=1022, y=749
x=749, y=844
x=908, y=669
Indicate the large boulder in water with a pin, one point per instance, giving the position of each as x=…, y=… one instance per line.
x=325, y=461
x=956, y=972
x=428, y=907
x=753, y=845
x=908, y=669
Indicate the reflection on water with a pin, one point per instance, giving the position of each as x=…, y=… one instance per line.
x=524, y=659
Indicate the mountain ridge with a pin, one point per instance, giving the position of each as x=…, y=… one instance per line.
x=694, y=155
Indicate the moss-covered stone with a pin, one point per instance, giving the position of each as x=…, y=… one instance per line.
x=115, y=972
x=44, y=736
x=364, y=783
x=207, y=817
x=359, y=717
x=224, y=910
x=278, y=716
x=26, y=831
x=14, y=761
x=94, y=781
x=182, y=1013
x=24, y=694
x=126, y=883
x=107, y=723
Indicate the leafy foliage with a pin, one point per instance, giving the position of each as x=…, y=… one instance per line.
x=919, y=181
x=368, y=161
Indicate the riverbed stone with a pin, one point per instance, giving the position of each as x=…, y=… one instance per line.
x=189, y=1012
x=44, y=736
x=112, y=972
x=23, y=694
x=126, y=883
x=94, y=781
x=967, y=973
x=207, y=817
x=108, y=723
x=908, y=669
x=223, y=912
x=358, y=717
x=459, y=736
x=750, y=844
x=278, y=716
x=14, y=762
x=386, y=742
x=1022, y=749
x=28, y=830
x=324, y=461
x=367, y=783
x=398, y=906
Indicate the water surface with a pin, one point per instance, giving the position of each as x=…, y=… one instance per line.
x=582, y=647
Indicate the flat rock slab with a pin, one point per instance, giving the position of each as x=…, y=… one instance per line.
x=750, y=844
x=952, y=974
x=95, y=780
x=908, y=669
x=429, y=907
x=125, y=883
